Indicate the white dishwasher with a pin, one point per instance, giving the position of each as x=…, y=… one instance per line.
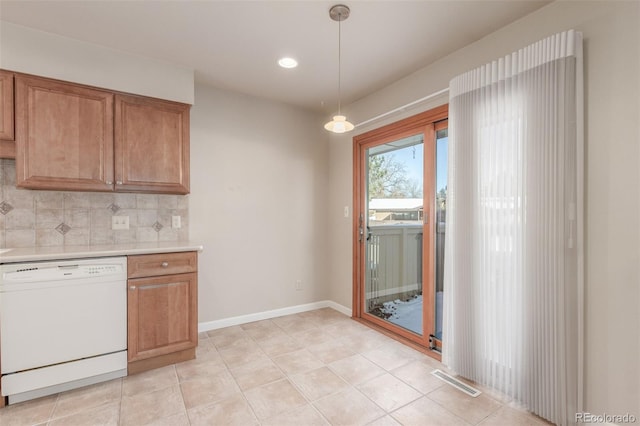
x=63, y=324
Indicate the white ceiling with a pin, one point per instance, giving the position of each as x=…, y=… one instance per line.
x=235, y=44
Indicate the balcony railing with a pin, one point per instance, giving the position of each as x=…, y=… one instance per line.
x=394, y=262
x=394, y=267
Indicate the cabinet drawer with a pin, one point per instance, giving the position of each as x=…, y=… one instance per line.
x=151, y=265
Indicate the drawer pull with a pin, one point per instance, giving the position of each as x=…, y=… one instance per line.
x=132, y=288
x=165, y=264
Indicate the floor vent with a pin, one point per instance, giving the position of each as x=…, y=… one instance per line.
x=456, y=383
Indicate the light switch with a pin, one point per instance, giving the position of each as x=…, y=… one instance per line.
x=176, y=223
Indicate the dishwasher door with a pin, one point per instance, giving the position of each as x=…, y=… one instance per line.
x=56, y=312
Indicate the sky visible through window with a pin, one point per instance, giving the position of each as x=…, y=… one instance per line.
x=442, y=150
x=412, y=158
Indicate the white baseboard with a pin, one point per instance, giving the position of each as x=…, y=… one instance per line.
x=338, y=307
x=259, y=316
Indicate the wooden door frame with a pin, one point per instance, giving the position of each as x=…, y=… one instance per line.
x=428, y=123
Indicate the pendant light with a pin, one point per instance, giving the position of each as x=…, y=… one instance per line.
x=339, y=124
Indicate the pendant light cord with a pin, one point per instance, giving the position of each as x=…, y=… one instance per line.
x=339, y=123
x=339, y=59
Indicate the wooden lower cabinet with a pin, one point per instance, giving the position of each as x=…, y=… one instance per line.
x=162, y=312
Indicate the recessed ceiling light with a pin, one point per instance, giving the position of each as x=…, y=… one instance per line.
x=287, y=62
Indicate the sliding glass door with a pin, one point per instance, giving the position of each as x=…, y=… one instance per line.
x=394, y=216
x=400, y=206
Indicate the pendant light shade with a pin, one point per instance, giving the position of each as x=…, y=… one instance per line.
x=339, y=124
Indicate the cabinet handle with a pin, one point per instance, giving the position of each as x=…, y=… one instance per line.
x=119, y=182
x=165, y=264
x=132, y=288
x=109, y=182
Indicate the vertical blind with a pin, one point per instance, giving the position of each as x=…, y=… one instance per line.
x=514, y=245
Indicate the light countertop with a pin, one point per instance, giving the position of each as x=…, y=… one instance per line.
x=35, y=254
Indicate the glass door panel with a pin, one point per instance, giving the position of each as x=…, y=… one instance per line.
x=394, y=214
x=442, y=140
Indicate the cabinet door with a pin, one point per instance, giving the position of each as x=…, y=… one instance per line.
x=162, y=315
x=7, y=144
x=64, y=136
x=151, y=145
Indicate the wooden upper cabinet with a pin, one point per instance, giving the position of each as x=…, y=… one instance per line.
x=77, y=138
x=64, y=136
x=7, y=144
x=151, y=145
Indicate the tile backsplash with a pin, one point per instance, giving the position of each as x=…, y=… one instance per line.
x=31, y=218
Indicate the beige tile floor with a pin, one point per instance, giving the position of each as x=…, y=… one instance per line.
x=313, y=368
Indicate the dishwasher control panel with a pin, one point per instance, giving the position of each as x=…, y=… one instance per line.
x=108, y=268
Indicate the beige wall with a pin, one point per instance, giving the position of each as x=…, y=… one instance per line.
x=37, y=52
x=258, y=204
x=612, y=114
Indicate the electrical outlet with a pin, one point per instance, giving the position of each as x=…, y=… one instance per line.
x=298, y=285
x=176, y=223
x=119, y=222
